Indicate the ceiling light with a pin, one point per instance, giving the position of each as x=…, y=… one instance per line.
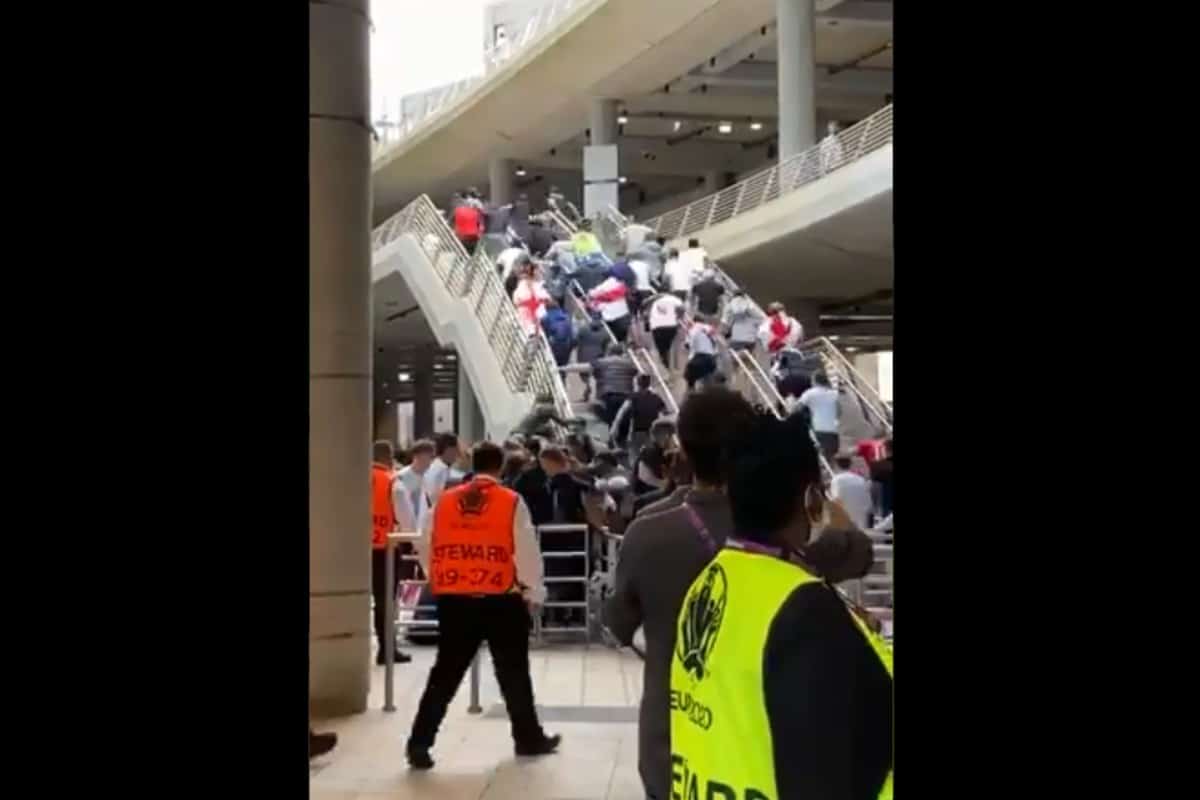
x=678, y=125
x=621, y=120
x=623, y=179
x=725, y=127
x=834, y=338
x=756, y=126
x=520, y=172
x=851, y=349
x=404, y=377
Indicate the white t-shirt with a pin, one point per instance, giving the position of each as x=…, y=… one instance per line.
x=412, y=480
x=854, y=493
x=507, y=259
x=822, y=403
x=530, y=298
x=610, y=297
x=702, y=340
x=664, y=312
x=678, y=275
x=693, y=259
x=641, y=271
x=435, y=480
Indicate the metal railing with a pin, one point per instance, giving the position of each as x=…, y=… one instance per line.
x=495, y=58
x=843, y=373
x=846, y=147
x=392, y=623
x=525, y=361
x=583, y=579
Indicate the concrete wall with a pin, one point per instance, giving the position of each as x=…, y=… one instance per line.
x=877, y=369
x=454, y=324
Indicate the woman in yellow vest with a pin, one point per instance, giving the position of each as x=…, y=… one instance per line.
x=778, y=690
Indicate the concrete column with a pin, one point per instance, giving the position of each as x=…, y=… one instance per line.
x=603, y=117
x=715, y=180
x=471, y=427
x=423, y=392
x=601, y=162
x=797, y=66
x=500, y=177
x=339, y=386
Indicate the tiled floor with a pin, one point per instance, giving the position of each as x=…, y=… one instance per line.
x=474, y=752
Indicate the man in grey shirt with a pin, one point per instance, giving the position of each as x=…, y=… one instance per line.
x=663, y=553
x=660, y=557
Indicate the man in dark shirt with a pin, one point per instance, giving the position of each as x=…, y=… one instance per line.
x=708, y=293
x=637, y=415
x=534, y=486
x=566, y=503
x=660, y=557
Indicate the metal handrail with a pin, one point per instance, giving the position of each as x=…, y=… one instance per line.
x=495, y=58
x=560, y=219
x=525, y=361
x=843, y=371
x=839, y=368
x=664, y=388
x=856, y=141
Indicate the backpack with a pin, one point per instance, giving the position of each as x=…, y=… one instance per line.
x=468, y=222
x=559, y=328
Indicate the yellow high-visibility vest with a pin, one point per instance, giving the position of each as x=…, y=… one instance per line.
x=720, y=734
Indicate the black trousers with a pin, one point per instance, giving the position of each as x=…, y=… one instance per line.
x=699, y=367
x=829, y=444
x=663, y=339
x=379, y=591
x=464, y=623
x=612, y=406
x=620, y=328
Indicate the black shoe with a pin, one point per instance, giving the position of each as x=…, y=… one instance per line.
x=542, y=747
x=320, y=743
x=418, y=758
x=401, y=658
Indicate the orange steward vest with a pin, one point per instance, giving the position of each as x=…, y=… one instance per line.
x=472, y=547
x=383, y=517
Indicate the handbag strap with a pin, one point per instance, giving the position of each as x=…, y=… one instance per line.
x=701, y=528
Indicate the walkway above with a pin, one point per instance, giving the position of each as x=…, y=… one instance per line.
x=816, y=225
x=540, y=95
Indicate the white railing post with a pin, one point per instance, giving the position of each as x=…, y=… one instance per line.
x=737, y=204
x=862, y=140
x=683, y=222
x=712, y=210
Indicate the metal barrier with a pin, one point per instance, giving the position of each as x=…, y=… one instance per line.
x=583, y=580
x=392, y=624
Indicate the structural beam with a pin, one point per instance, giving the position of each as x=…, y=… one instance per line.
x=339, y=386
x=797, y=75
